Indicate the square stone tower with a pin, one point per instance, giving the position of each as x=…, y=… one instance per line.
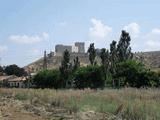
x=81, y=47
x=59, y=49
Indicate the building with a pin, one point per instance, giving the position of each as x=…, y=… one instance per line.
x=13, y=81
x=81, y=47
x=4, y=80
x=59, y=49
x=17, y=82
x=74, y=49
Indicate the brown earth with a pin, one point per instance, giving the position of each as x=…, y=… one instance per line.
x=11, y=109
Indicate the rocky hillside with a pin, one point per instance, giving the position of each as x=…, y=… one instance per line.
x=55, y=62
x=150, y=59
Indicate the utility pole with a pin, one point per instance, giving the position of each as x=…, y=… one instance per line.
x=45, y=60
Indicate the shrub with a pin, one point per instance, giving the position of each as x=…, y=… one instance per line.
x=47, y=79
x=89, y=77
x=135, y=74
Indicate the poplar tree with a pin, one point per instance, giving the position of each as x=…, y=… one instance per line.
x=92, y=53
x=104, y=55
x=76, y=63
x=113, y=60
x=123, y=47
x=65, y=68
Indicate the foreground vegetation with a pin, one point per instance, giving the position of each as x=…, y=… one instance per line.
x=127, y=103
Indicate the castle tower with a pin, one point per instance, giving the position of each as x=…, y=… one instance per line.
x=81, y=47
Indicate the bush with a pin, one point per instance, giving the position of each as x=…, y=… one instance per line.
x=47, y=79
x=89, y=77
x=135, y=74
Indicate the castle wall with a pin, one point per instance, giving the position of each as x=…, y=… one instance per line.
x=59, y=49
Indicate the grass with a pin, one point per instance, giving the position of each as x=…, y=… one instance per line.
x=127, y=103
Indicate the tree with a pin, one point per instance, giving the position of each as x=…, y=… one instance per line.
x=135, y=74
x=104, y=55
x=113, y=60
x=14, y=70
x=92, y=53
x=47, y=79
x=1, y=69
x=65, y=68
x=123, y=47
x=89, y=77
x=76, y=64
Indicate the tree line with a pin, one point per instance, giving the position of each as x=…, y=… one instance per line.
x=13, y=70
x=117, y=69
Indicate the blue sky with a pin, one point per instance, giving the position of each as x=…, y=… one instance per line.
x=28, y=27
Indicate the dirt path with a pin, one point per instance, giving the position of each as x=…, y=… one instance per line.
x=13, y=110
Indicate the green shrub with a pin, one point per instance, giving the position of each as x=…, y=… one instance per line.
x=89, y=77
x=135, y=74
x=47, y=79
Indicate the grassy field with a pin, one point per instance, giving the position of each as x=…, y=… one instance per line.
x=128, y=103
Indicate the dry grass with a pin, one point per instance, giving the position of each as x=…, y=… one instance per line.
x=130, y=104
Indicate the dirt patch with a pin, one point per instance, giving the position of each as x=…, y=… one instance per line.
x=11, y=109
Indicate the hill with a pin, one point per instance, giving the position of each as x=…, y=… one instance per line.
x=150, y=59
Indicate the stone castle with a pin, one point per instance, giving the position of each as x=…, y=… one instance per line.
x=79, y=47
x=53, y=59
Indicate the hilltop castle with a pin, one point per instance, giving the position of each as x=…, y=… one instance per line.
x=79, y=47
x=53, y=59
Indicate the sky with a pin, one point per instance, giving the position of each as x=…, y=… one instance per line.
x=28, y=27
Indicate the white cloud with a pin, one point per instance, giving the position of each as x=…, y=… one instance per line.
x=99, y=31
x=26, y=39
x=155, y=31
x=133, y=28
x=3, y=49
x=152, y=41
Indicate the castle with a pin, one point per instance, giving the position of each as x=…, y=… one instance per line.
x=79, y=47
x=53, y=59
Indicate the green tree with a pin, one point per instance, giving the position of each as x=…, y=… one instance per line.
x=89, y=77
x=47, y=79
x=123, y=47
x=92, y=53
x=104, y=55
x=135, y=74
x=113, y=60
x=14, y=70
x=65, y=69
x=76, y=64
x=1, y=69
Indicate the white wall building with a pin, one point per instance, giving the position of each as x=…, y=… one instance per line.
x=74, y=49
